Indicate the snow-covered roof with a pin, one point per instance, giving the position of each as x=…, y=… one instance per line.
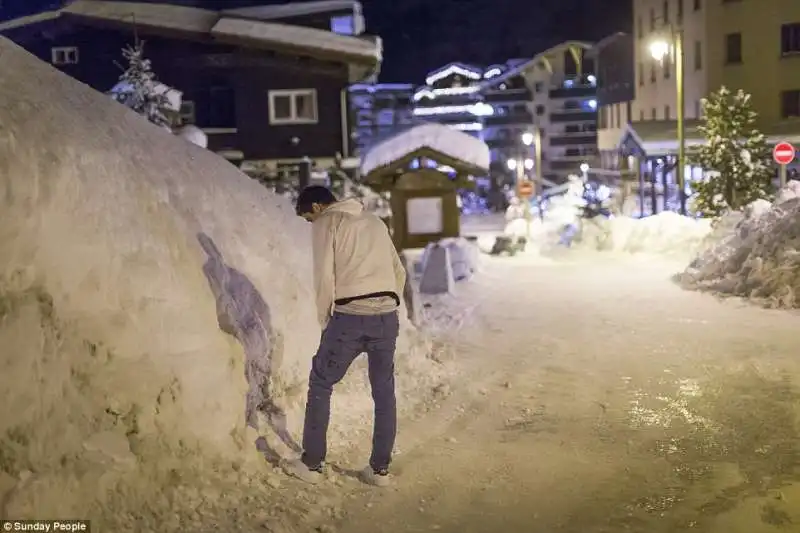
x=543, y=56
x=224, y=28
x=321, y=41
x=438, y=137
x=295, y=9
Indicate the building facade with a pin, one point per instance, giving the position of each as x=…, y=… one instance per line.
x=378, y=111
x=552, y=94
x=753, y=45
x=614, y=63
x=269, y=94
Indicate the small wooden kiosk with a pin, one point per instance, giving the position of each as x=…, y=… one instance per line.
x=423, y=180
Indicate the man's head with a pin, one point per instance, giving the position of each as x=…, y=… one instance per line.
x=312, y=201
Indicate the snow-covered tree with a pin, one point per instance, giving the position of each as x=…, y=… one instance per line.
x=139, y=89
x=735, y=155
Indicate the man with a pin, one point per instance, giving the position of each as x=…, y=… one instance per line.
x=358, y=278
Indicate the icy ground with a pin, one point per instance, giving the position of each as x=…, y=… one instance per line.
x=590, y=395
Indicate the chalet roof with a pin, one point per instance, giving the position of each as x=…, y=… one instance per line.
x=295, y=9
x=543, y=56
x=458, y=148
x=220, y=27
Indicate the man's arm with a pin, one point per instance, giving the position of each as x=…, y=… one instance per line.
x=322, y=243
x=399, y=274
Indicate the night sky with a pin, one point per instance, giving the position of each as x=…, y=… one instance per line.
x=421, y=35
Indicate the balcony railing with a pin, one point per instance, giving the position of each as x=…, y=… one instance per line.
x=505, y=120
x=572, y=139
x=573, y=115
x=509, y=95
x=573, y=92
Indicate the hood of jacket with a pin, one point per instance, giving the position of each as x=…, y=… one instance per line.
x=349, y=206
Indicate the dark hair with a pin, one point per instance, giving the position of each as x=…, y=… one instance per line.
x=313, y=194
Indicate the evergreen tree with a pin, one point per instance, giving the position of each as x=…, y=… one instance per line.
x=735, y=155
x=138, y=87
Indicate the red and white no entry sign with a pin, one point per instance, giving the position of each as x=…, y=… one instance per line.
x=783, y=153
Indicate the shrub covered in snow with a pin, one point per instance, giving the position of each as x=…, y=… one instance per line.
x=754, y=253
x=735, y=153
x=666, y=233
x=139, y=89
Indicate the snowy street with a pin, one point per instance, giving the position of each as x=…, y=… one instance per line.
x=597, y=396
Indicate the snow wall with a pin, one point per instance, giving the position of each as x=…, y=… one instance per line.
x=753, y=254
x=665, y=233
x=124, y=253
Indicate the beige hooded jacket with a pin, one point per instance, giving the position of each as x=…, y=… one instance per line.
x=353, y=256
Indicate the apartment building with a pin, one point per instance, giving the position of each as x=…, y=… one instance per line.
x=552, y=93
x=378, y=111
x=753, y=45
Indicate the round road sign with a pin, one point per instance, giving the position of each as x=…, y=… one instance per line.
x=783, y=153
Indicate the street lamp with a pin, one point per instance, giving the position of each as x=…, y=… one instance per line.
x=527, y=138
x=512, y=164
x=660, y=50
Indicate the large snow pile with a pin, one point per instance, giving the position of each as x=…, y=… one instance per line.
x=443, y=139
x=153, y=302
x=754, y=254
x=666, y=233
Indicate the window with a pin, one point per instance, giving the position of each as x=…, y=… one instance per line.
x=603, y=118
x=666, y=112
x=652, y=73
x=187, y=112
x=652, y=20
x=697, y=109
x=698, y=55
x=344, y=25
x=698, y=5
x=790, y=38
x=679, y=13
x=667, y=68
x=64, y=55
x=293, y=107
x=641, y=115
x=665, y=13
x=538, y=87
x=790, y=104
x=619, y=118
x=628, y=112
x=639, y=28
x=540, y=110
x=733, y=48
x=641, y=74
x=653, y=114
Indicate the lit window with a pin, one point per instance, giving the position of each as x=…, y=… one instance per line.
x=344, y=25
x=64, y=55
x=293, y=107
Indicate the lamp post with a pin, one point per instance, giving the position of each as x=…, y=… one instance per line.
x=660, y=49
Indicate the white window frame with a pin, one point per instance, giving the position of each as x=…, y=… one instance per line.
x=60, y=55
x=292, y=94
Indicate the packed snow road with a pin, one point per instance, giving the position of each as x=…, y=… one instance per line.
x=596, y=396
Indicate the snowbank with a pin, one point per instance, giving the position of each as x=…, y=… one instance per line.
x=153, y=301
x=666, y=233
x=754, y=254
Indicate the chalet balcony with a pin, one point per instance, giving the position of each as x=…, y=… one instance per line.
x=508, y=120
x=573, y=139
x=507, y=96
x=573, y=115
x=573, y=92
x=502, y=143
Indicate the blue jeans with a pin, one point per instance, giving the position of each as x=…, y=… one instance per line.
x=345, y=338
